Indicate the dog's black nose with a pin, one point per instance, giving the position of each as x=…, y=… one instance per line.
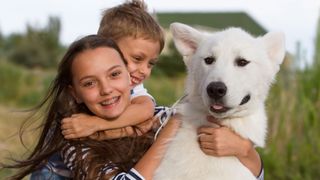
x=216, y=90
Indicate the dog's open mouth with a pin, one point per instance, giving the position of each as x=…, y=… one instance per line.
x=218, y=108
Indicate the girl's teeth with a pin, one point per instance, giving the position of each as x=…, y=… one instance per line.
x=111, y=101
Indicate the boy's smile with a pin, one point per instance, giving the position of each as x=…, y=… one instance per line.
x=141, y=54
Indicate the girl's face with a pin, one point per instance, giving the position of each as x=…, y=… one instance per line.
x=101, y=81
x=141, y=54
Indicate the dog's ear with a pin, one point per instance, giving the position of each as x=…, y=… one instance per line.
x=186, y=38
x=275, y=44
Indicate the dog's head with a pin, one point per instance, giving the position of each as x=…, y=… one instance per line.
x=229, y=72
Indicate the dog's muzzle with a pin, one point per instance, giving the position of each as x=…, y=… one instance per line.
x=216, y=90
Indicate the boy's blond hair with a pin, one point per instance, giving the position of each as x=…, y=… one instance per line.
x=131, y=19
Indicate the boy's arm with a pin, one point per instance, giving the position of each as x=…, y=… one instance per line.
x=127, y=131
x=81, y=125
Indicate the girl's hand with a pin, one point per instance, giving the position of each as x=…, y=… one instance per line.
x=79, y=125
x=218, y=140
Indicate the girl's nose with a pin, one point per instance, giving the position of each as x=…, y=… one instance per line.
x=105, y=89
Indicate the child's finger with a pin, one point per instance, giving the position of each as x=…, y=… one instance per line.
x=207, y=151
x=70, y=136
x=206, y=145
x=66, y=132
x=204, y=138
x=66, y=126
x=65, y=120
x=205, y=130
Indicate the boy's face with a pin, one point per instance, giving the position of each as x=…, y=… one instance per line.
x=141, y=54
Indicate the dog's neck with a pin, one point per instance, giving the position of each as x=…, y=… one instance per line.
x=195, y=115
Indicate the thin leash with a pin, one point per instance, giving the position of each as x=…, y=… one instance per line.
x=165, y=115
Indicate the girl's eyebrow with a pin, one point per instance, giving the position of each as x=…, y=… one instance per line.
x=90, y=76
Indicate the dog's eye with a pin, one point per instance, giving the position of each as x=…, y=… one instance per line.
x=209, y=60
x=241, y=62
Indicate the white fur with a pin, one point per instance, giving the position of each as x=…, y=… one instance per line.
x=184, y=159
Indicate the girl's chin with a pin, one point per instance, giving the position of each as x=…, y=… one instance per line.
x=110, y=116
x=113, y=113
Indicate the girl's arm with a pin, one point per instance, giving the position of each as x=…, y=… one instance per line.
x=152, y=158
x=222, y=141
x=83, y=125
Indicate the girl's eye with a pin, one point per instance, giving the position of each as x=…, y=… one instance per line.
x=115, y=74
x=88, y=84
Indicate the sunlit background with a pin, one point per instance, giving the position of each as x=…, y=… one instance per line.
x=35, y=33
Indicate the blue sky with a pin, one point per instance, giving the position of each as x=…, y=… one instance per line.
x=296, y=18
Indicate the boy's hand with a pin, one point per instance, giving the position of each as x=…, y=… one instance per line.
x=79, y=125
x=146, y=126
x=218, y=140
x=128, y=131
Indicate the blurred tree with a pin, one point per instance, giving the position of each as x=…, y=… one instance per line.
x=1, y=46
x=171, y=64
x=317, y=45
x=38, y=47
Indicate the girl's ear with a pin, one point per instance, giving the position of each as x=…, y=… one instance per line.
x=74, y=94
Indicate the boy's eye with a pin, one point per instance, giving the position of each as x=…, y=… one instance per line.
x=137, y=58
x=152, y=63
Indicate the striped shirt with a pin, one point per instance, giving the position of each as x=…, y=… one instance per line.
x=68, y=155
x=55, y=162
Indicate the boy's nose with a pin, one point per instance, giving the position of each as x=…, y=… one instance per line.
x=144, y=70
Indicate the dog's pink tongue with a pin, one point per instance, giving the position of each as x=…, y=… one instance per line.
x=216, y=106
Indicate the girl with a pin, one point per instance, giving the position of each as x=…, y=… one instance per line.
x=92, y=78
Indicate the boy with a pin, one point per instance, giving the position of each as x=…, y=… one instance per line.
x=141, y=40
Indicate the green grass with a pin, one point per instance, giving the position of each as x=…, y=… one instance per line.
x=10, y=146
x=165, y=90
x=20, y=87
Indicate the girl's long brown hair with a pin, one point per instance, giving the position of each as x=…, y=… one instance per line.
x=123, y=153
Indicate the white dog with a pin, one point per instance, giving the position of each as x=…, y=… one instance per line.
x=229, y=75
